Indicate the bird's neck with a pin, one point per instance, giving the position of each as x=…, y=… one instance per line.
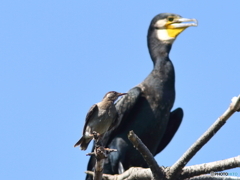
x=159, y=52
x=105, y=103
x=163, y=67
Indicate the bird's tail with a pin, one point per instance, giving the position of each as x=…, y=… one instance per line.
x=83, y=143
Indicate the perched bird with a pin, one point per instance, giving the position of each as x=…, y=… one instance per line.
x=146, y=109
x=100, y=118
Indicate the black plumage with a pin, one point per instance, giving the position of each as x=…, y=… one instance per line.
x=146, y=109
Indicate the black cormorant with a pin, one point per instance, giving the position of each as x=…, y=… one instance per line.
x=146, y=109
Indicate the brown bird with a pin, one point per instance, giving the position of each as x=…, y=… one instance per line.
x=100, y=118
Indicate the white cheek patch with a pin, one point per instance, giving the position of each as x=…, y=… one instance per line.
x=162, y=35
x=160, y=23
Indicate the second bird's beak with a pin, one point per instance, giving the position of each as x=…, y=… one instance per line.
x=121, y=94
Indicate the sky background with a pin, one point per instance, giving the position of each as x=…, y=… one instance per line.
x=57, y=58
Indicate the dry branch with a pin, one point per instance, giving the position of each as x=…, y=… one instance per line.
x=206, y=168
x=176, y=168
x=137, y=173
x=133, y=173
x=192, y=172
x=204, y=177
x=177, y=171
x=100, y=154
x=158, y=172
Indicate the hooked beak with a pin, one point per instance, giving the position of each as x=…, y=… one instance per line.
x=180, y=23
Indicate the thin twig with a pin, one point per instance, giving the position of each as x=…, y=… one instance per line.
x=186, y=157
x=158, y=172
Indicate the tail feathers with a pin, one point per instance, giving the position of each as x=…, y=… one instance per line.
x=83, y=143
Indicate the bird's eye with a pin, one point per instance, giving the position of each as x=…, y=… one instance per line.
x=170, y=19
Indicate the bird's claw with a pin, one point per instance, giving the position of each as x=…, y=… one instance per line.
x=95, y=135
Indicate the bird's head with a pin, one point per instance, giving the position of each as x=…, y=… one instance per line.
x=113, y=95
x=166, y=27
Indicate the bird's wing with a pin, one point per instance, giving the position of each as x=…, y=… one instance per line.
x=125, y=104
x=123, y=107
x=174, y=122
x=89, y=115
x=114, y=123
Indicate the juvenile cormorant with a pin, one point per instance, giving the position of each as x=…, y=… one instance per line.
x=146, y=109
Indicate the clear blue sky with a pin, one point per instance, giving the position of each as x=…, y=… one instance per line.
x=57, y=58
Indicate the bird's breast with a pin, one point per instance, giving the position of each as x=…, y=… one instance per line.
x=103, y=120
x=158, y=95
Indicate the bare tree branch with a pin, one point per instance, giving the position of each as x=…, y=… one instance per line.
x=158, y=172
x=137, y=173
x=204, y=177
x=100, y=154
x=176, y=168
x=133, y=173
x=236, y=103
x=196, y=170
x=177, y=171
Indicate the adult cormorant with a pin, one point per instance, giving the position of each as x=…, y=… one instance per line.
x=146, y=109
